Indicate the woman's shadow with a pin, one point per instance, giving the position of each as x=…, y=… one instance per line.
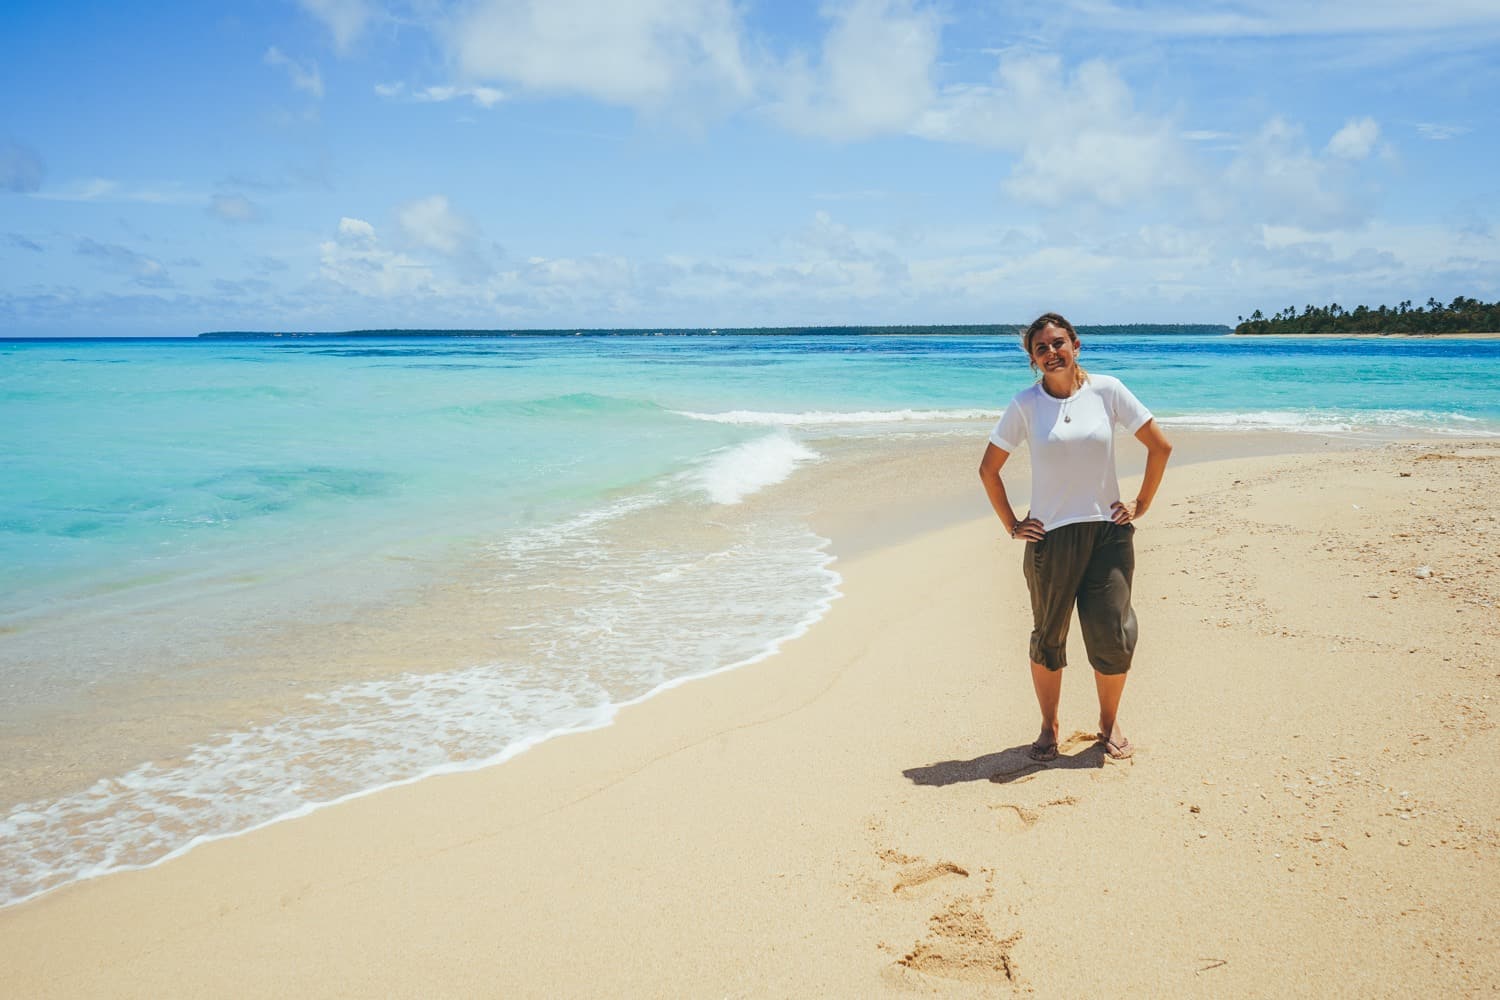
x=1011, y=764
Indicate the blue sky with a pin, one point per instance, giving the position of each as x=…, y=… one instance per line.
x=334, y=164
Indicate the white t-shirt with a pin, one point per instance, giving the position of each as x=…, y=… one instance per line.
x=1072, y=445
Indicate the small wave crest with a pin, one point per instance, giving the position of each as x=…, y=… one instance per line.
x=730, y=475
x=834, y=418
x=1335, y=421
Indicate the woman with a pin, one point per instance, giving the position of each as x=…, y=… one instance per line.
x=1078, y=532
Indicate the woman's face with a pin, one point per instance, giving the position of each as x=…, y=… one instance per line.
x=1053, y=349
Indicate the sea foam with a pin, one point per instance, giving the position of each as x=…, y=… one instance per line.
x=1332, y=421
x=734, y=473
x=642, y=612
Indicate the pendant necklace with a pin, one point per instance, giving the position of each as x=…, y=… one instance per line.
x=1066, y=401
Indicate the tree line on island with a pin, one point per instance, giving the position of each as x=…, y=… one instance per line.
x=961, y=330
x=1459, y=316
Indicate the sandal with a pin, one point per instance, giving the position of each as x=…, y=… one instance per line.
x=1043, y=752
x=1116, y=751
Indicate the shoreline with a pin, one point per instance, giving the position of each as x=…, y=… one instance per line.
x=892, y=506
x=430, y=629
x=698, y=786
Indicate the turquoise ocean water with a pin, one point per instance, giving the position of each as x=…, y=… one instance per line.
x=162, y=500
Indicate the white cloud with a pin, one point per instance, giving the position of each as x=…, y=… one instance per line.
x=355, y=261
x=233, y=208
x=874, y=75
x=594, y=273
x=1282, y=18
x=485, y=97
x=642, y=54
x=102, y=189
x=304, y=75
x=142, y=270
x=20, y=168
x=356, y=231
x=1078, y=137
x=1439, y=132
x=1277, y=179
x=1355, y=140
x=433, y=224
x=346, y=19
x=90, y=190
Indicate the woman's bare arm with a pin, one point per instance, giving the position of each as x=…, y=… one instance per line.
x=1158, y=450
x=994, y=487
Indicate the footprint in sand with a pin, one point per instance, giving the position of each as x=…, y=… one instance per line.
x=960, y=945
x=917, y=872
x=1016, y=818
x=919, y=875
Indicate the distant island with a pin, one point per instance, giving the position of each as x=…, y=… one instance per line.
x=970, y=330
x=1461, y=316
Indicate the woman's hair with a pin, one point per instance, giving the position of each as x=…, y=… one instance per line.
x=1037, y=326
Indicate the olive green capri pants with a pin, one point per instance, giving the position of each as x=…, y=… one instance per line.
x=1090, y=563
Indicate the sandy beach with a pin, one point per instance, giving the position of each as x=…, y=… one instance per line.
x=1310, y=811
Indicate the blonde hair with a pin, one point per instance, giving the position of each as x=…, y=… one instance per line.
x=1039, y=324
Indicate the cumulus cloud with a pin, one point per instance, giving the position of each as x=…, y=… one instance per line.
x=355, y=261
x=143, y=270
x=1279, y=179
x=304, y=75
x=233, y=208
x=1078, y=137
x=598, y=272
x=484, y=97
x=642, y=54
x=874, y=74
x=855, y=254
x=356, y=231
x=345, y=19
x=20, y=168
x=1355, y=140
x=432, y=223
